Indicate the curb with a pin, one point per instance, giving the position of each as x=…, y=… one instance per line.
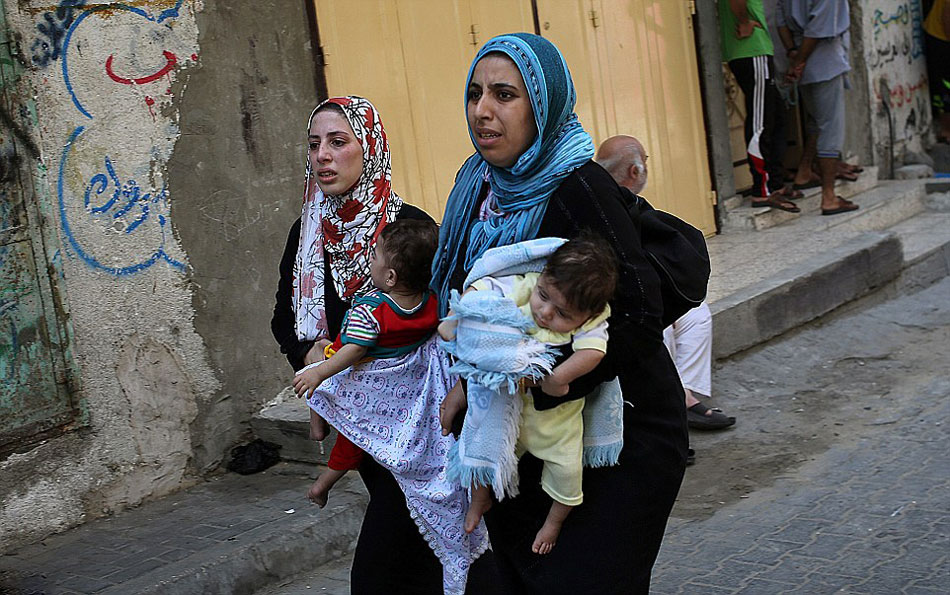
x=801, y=293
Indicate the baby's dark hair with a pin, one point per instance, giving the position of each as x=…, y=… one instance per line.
x=411, y=246
x=584, y=270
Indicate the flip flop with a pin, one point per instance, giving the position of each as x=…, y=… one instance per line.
x=847, y=207
x=776, y=202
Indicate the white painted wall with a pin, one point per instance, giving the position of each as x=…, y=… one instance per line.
x=894, y=54
x=107, y=84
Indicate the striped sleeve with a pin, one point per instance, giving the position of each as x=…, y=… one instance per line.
x=361, y=326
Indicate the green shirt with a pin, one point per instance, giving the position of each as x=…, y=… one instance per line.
x=757, y=44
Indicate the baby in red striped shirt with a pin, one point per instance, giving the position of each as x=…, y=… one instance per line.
x=394, y=320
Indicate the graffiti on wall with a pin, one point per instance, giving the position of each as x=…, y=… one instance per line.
x=47, y=46
x=895, y=56
x=118, y=65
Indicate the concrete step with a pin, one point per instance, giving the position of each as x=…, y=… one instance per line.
x=286, y=421
x=796, y=272
x=926, y=241
x=800, y=293
x=738, y=214
x=231, y=534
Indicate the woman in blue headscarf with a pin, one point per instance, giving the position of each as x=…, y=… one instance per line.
x=532, y=176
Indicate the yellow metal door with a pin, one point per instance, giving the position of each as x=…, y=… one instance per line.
x=410, y=57
x=634, y=63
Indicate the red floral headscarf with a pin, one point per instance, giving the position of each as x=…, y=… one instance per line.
x=343, y=227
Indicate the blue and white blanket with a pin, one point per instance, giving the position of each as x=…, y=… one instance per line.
x=390, y=409
x=494, y=352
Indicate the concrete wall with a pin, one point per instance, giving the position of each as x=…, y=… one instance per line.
x=892, y=55
x=170, y=139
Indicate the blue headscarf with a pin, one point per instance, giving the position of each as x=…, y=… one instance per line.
x=522, y=190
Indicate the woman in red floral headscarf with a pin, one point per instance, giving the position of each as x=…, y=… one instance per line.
x=348, y=200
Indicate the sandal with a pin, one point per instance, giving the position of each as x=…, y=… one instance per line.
x=846, y=207
x=776, y=201
x=700, y=417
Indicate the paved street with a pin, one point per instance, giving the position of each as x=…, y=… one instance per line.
x=836, y=478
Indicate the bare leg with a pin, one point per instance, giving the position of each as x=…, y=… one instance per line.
x=804, y=173
x=546, y=538
x=318, y=426
x=828, y=167
x=481, y=502
x=320, y=490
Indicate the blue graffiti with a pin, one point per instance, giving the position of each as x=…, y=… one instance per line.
x=48, y=46
x=907, y=13
x=917, y=27
x=105, y=194
x=162, y=16
x=127, y=196
x=123, y=200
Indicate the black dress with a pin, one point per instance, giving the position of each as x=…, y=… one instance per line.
x=609, y=543
x=391, y=555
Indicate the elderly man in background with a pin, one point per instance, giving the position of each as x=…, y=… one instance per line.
x=816, y=39
x=689, y=339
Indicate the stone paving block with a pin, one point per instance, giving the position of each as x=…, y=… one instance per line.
x=100, y=570
x=729, y=574
x=81, y=584
x=887, y=578
x=761, y=586
x=135, y=570
x=819, y=582
x=186, y=542
x=764, y=551
x=201, y=530
x=793, y=569
x=918, y=590
x=692, y=588
x=798, y=532
x=826, y=547
x=132, y=559
x=175, y=554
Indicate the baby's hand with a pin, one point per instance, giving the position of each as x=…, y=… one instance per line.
x=554, y=388
x=306, y=381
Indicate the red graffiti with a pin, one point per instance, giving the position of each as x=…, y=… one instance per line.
x=902, y=95
x=170, y=62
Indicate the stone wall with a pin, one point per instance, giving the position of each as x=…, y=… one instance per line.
x=893, y=58
x=170, y=139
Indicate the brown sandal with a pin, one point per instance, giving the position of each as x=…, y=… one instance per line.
x=776, y=201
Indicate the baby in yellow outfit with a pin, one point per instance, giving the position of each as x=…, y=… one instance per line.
x=568, y=303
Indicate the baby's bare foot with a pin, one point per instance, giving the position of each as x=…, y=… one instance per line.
x=318, y=426
x=546, y=538
x=319, y=492
x=481, y=502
